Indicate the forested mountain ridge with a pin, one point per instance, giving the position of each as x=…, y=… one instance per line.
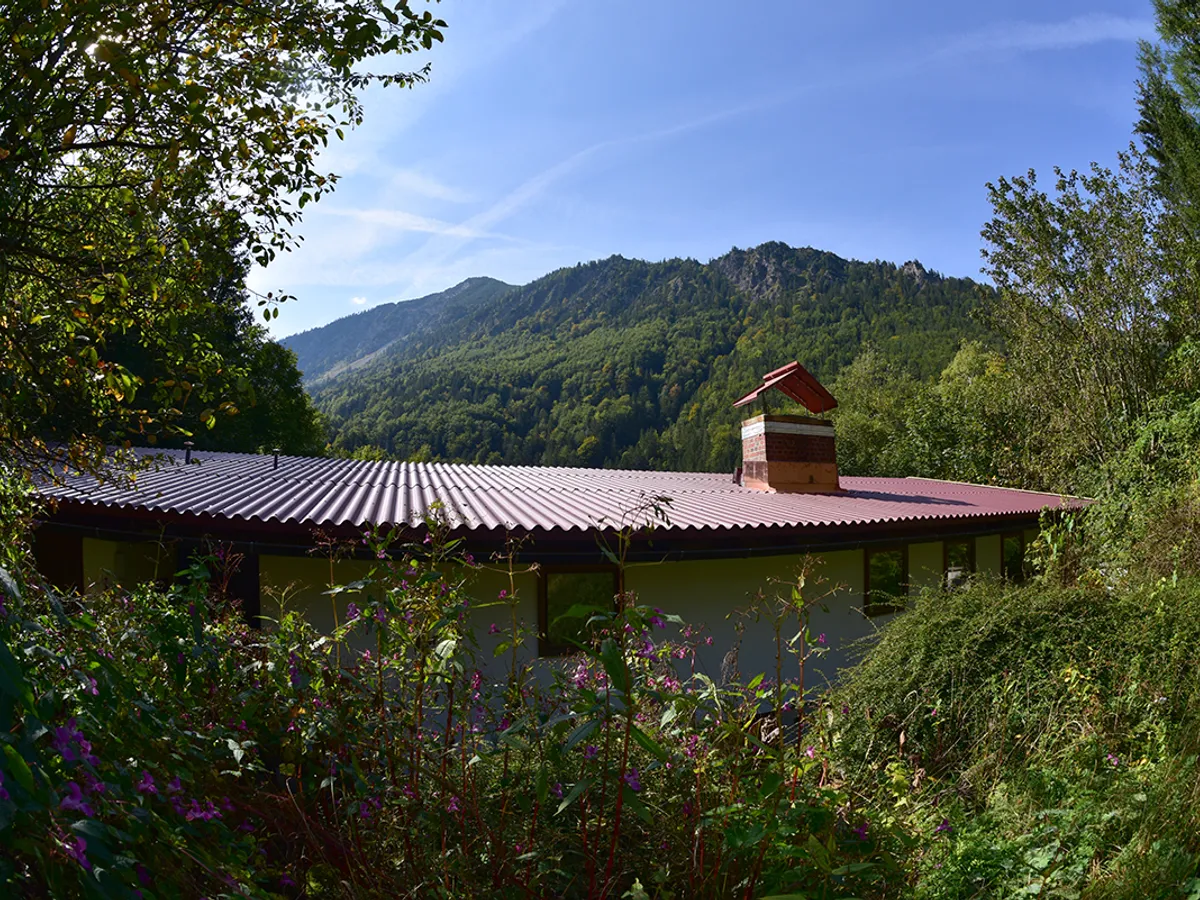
x=634, y=364
x=353, y=341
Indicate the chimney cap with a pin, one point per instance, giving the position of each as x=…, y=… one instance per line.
x=796, y=382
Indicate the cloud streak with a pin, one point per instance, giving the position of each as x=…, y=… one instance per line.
x=1070, y=34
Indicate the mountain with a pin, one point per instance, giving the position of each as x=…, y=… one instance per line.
x=627, y=363
x=352, y=342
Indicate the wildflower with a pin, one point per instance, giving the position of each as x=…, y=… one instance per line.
x=631, y=779
x=503, y=595
x=174, y=786
x=77, y=850
x=590, y=751
x=656, y=619
x=204, y=813
x=688, y=809
x=708, y=641
x=380, y=615
x=821, y=638
x=861, y=831
x=286, y=881
x=469, y=559
x=65, y=737
x=493, y=628
x=945, y=826
x=505, y=723
x=146, y=785
x=74, y=800
x=845, y=709
x=680, y=652
x=1113, y=759
x=647, y=650
x=579, y=677
x=4, y=795
x=557, y=790
x=92, y=689
x=452, y=806
x=351, y=612
x=810, y=752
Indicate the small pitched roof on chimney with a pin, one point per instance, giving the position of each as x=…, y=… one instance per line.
x=796, y=382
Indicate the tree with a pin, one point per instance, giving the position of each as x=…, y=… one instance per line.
x=1169, y=108
x=143, y=145
x=1095, y=286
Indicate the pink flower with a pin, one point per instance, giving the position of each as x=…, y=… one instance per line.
x=77, y=850
x=590, y=751
x=146, y=785
x=452, y=806
x=351, y=612
x=631, y=779
x=821, y=638
x=174, y=786
x=493, y=628
x=502, y=595
x=74, y=800
x=811, y=752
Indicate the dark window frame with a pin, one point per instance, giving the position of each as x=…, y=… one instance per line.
x=545, y=573
x=871, y=609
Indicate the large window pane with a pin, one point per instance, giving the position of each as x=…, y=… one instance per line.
x=1014, y=557
x=565, y=590
x=960, y=562
x=886, y=580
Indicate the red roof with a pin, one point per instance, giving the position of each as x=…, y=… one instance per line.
x=796, y=382
x=329, y=492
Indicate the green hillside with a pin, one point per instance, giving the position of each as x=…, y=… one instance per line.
x=634, y=364
x=355, y=340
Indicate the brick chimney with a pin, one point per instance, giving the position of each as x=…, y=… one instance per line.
x=790, y=453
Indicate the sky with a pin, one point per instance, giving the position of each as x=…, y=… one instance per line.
x=553, y=132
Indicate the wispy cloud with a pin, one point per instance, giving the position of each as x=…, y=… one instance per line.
x=410, y=181
x=358, y=301
x=399, y=220
x=1068, y=34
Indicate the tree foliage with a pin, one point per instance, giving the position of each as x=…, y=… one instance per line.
x=145, y=147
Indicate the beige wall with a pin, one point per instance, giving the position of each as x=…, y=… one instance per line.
x=111, y=563
x=716, y=596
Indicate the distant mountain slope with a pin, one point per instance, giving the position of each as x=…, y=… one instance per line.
x=634, y=364
x=353, y=341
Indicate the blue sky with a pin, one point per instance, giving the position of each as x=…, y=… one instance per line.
x=553, y=133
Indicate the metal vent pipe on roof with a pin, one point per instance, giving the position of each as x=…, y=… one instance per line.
x=276, y=452
x=187, y=452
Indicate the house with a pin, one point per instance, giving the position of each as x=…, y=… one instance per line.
x=698, y=544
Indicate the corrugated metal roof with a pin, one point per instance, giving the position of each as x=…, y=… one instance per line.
x=331, y=492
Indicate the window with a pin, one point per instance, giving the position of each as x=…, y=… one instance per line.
x=887, y=580
x=959, y=562
x=1012, y=560
x=559, y=591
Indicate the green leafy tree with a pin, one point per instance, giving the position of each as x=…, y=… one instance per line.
x=143, y=145
x=1094, y=289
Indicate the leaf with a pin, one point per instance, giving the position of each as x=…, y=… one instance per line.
x=647, y=743
x=614, y=665
x=580, y=734
x=542, y=785
x=573, y=794
x=12, y=679
x=19, y=768
x=9, y=584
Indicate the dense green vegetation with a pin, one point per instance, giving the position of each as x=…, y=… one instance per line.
x=632, y=364
x=1000, y=741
